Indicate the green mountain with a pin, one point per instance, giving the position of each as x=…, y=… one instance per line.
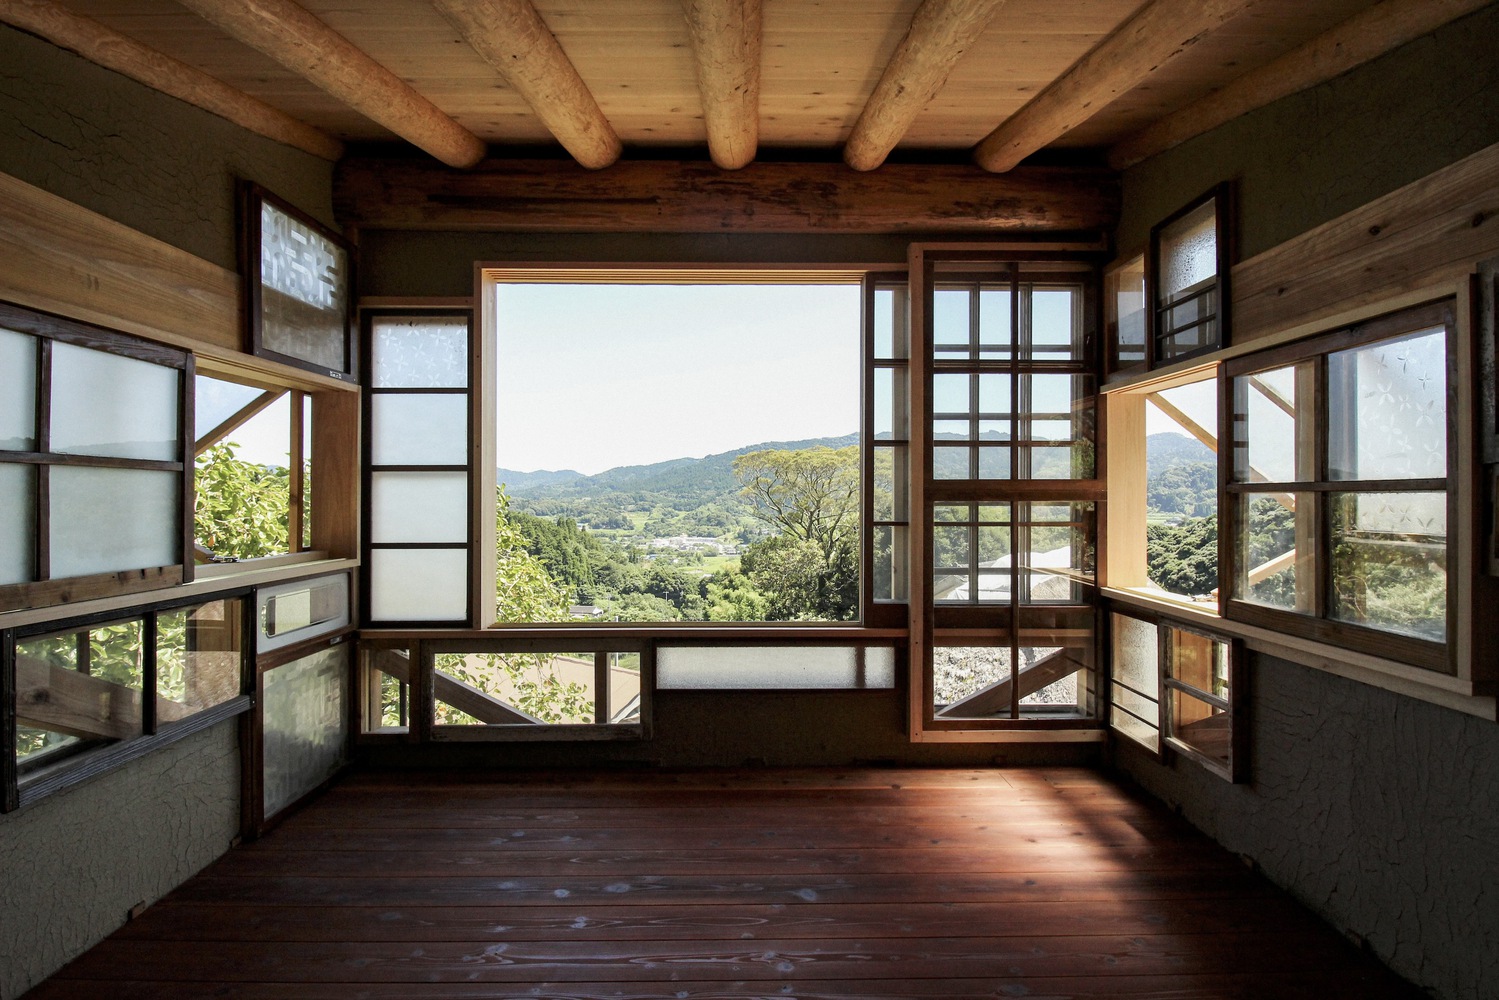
x=1170, y=448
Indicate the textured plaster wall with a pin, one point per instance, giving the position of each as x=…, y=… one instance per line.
x=137, y=156
x=76, y=862
x=72, y=865
x=1315, y=155
x=1379, y=811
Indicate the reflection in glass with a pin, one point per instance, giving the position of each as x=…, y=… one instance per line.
x=1125, y=293
x=198, y=655
x=1266, y=560
x=1389, y=562
x=306, y=725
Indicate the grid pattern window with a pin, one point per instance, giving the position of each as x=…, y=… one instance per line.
x=1010, y=493
x=80, y=689
x=888, y=408
x=1339, y=529
x=92, y=432
x=1187, y=280
x=1199, y=691
x=418, y=433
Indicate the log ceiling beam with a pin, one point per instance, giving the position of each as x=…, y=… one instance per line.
x=511, y=36
x=1362, y=38
x=296, y=39
x=726, y=46
x=697, y=197
x=941, y=32
x=1144, y=44
x=112, y=50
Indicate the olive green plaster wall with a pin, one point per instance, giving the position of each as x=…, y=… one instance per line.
x=156, y=164
x=1313, y=156
x=1379, y=811
x=73, y=864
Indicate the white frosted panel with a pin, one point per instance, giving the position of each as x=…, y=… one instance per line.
x=1393, y=398
x=419, y=584
x=304, y=730
x=420, y=352
x=103, y=404
x=773, y=667
x=419, y=429
x=1136, y=730
x=106, y=520
x=419, y=506
x=1136, y=654
x=17, y=391
x=17, y=527
x=1189, y=250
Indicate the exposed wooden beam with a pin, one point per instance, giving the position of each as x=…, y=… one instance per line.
x=696, y=197
x=511, y=36
x=305, y=45
x=1360, y=39
x=941, y=31
x=726, y=43
x=1148, y=41
x=112, y=50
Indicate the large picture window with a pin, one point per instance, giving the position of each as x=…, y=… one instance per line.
x=1338, y=527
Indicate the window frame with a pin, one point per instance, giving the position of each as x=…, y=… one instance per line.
x=44, y=589
x=1221, y=197
x=1439, y=657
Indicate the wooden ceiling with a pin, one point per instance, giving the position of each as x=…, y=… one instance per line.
x=820, y=61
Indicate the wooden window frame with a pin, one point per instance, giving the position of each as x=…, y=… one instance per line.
x=1315, y=623
x=1221, y=197
x=44, y=590
x=883, y=612
x=87, y=763
x=472, y=469
x=251, y=198
x=1233, y=707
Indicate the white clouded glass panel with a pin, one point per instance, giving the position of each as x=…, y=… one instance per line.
x=423, y=585
x=420, y=352
x=419, y=506
x=420, y=429
x=1189, y=250
x=305, y=725
x=17, y=529
x=103, y=404
x=1394, y=398
x=18, y=392
x=772, y=667
x=304, y=290
x=106, y=520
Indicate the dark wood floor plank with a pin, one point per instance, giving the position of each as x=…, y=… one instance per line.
x=727, y=885
x=268, y=922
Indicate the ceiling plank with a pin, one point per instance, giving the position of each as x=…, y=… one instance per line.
x=726, y=43
x=1364, y=37
x=305, y=45
x=941, y=31
x=697, y=197
x=511, y=36
x=1144, y=44
x=114, y=51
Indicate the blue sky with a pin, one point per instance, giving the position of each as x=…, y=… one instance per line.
x=597, y=376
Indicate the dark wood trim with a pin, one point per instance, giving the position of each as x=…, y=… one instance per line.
x=296, y=473
x=1341, y=485
x=49, y=326
x=251, y=197
x=90, y=461
x=266, y=662
x=148, y=674
x=572, y=636
x=9, y=798
x=47, y=593
x=1221, y=196
x=186, y=454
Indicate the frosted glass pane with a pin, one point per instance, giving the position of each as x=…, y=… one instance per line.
x=1136, y=730
x=419, y=429
x=1136, y=651
x=419, y=506
x=17, y=524
x=304, y=291
x=18, y=392
x=103, y=404
x=419, y=584
x=762, y=667
x=420, y=352
x=1189, y=250
x=305, y=725
x=106, y=520
x=1393, y=396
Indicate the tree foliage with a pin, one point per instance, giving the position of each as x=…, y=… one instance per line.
x=240, y=508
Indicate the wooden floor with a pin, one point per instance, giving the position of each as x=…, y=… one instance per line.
x=784, y=884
